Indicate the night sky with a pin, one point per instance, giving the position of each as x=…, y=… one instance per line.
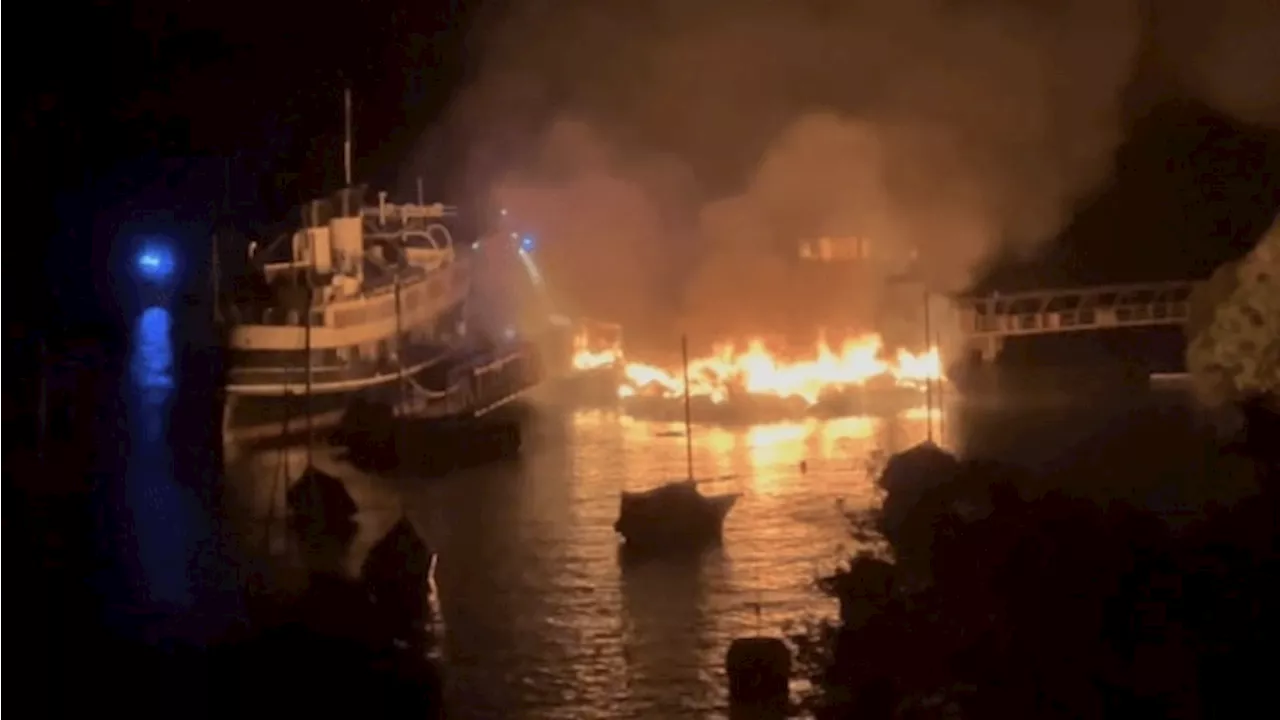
x=129, y=119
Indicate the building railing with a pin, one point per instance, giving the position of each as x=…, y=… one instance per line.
x=1057, y=311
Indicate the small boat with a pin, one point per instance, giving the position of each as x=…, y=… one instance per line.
x=433, y=432
x=398, y=573
x=676, y=516
x=320, y=504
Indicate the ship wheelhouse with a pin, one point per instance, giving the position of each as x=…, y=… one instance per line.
x=366, y=294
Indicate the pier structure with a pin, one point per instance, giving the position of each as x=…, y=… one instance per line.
x=986, y=321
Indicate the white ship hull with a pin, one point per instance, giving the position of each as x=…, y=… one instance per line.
x=367, y=295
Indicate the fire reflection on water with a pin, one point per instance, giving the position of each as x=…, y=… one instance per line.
x=541, y=620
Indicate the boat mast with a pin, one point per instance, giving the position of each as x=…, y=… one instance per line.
x=346, y=142
x=928, y=378
x=215, y=266
x=688, y=419
x=942, y=404
x=42, y=402
x=309, y=270
x=399, y=348
x=311, y=264
x=215, y=272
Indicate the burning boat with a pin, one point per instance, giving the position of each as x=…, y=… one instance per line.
x=756, y=385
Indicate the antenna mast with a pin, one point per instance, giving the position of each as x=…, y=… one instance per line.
x=346, y=142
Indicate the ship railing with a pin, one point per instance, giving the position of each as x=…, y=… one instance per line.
x=274, y=317
x=375, y=303
x=320, y=376
x=489, y=380
x=384, y=212
x=350, y=370
x=430, y=259
x=453, y=400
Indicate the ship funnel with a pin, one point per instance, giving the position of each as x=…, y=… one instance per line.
x=346, y=229
x=316, y=213
x=349, y=201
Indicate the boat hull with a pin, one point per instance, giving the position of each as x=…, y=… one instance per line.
x=429, y=447
x=754, y=409
x=268, y=419
x=672, y=518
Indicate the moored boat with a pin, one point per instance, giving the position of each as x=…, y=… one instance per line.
x=672, y=517
x=675, y=517
x=374, y=292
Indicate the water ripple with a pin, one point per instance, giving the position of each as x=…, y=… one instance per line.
x=541, y=620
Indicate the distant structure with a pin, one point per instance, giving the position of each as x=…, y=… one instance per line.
x=847, y=249
x=987, y=321
x=838, y=277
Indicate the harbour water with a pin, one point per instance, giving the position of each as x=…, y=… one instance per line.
x=538, y=618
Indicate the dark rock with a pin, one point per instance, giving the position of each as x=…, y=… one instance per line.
x=759, y=670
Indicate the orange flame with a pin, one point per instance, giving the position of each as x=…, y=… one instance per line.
x=757, y=371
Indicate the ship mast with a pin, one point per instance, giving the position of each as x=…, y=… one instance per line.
x=942, y=402
x=928, y=379
x=42, y=402
x=215, y=272
x=346, y=138
x=311, y=266
x=401, y=263
x=310, y=271
x=688, y=415
x=215, y=261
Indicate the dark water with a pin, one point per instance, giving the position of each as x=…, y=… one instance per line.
x=539, y=620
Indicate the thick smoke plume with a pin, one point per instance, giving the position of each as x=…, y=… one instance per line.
x=671, y=155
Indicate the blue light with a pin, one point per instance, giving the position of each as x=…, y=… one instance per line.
x=153, y=350
x=155, y=262
x=526, y=244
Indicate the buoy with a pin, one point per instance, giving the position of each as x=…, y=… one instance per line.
x=759, y=670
